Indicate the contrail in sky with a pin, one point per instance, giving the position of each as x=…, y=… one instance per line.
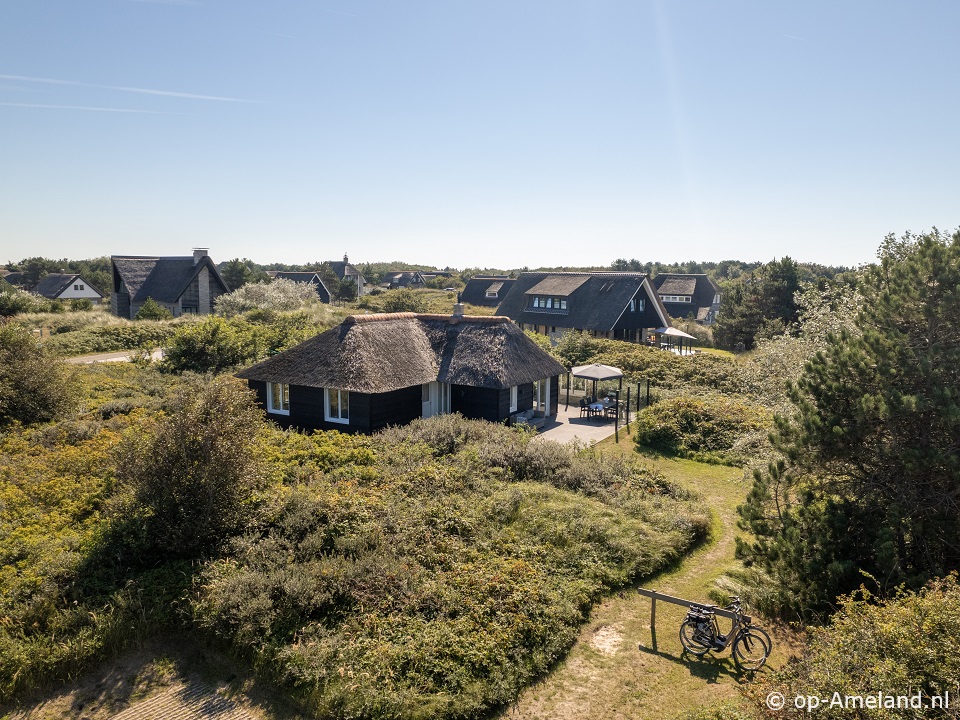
x=82, y=107
x=142, y=91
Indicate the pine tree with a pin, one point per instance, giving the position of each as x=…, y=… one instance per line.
x=872, y=477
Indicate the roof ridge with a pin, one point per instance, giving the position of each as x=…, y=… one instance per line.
x=381, y=317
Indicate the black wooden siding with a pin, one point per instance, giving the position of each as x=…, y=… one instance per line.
x=369, y=413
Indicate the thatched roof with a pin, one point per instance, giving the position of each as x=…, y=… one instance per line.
x=678, y=285
x=478, y=286
x=162, y=278
x=384, y=352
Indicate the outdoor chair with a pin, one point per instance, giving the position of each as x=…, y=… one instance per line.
x=584, y=408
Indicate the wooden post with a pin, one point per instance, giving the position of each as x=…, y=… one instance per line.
x=639, y=395
x=568, y=390
x=648, y=393
x=616, y=419
x=627, y=408
x=653, y=623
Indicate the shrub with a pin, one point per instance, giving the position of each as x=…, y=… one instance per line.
x=34, y=387
x=197, y=470
x=14, y=301
x=81, y=304
x=152, y=310
x=110, y=338
x=705, y=428
x=277, y=296
x=904, y=646
x=211, y=345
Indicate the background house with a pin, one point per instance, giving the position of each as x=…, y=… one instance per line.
x=694, y=295
x=621, y=306
x=345, y=271
x=310, y=278
x=57, y=286
x=486, y=290
x=67, y=286
x=183, y=285
x=388, y=369
x=402, y=279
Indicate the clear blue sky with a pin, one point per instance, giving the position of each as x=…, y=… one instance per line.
x=500, y=133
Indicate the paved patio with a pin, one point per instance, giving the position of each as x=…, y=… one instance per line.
x=568, y=427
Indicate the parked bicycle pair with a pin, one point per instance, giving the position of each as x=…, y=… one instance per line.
x=700, y=634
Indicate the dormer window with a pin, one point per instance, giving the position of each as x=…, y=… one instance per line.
x=540, y=302
x=675, y=298
x=491, y=293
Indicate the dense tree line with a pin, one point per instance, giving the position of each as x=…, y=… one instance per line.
x=870, y=481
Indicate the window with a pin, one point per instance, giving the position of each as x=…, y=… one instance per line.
x=514, y=399
x=337, y=405
x=675, y=298
x=633, y=304
x=278, y=398
x=491, y=293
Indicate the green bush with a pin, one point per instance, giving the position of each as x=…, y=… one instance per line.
x=905, y=646
x=81, y=305
x=34, y=387
x=706, y=428
x=152, y=310
x=216, y=344
x=196, y=469
x=110, y=338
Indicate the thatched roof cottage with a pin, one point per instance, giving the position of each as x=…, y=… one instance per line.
x=388, y=369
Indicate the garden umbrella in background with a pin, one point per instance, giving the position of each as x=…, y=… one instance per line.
x=598, y=372
x=674, y=333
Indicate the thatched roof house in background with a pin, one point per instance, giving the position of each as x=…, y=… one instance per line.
x=689, y=295
x=181, y=284
x=388, y=369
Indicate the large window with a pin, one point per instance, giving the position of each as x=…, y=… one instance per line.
x=675, y=298
x=278, y=398
x=337, y=405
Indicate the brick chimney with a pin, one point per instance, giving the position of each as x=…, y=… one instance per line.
x=198, y=254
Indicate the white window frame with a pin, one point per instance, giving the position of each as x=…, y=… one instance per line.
x=340, y=397
x=271, y=408
x=491, y=293
x=514, y=398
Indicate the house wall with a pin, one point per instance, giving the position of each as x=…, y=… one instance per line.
x=481, y=403
x=87, y=292
x=372, y=412
x=120, y=304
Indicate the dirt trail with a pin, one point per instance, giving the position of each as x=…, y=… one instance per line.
x=612, y=671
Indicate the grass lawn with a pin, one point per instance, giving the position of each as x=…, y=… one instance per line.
x=612, y=672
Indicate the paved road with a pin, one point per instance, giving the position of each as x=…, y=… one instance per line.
x=120, y=356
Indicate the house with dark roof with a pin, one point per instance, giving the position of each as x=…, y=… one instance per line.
x=67, y=286
x=372, y=371
x=310, y=278
x=183, y=285
x=695, y=296
x=57, y=286
x=486, y=290
x=344, y=270
x=402, y=279
x=620, y=306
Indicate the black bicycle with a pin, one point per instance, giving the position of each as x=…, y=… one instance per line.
x=700, y=633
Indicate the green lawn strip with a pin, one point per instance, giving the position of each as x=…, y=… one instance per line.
x=632, y=680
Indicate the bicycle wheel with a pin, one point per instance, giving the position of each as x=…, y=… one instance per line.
x=751, y=649
x=694, y=641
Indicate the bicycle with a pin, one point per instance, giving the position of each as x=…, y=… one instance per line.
x=700, y=633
